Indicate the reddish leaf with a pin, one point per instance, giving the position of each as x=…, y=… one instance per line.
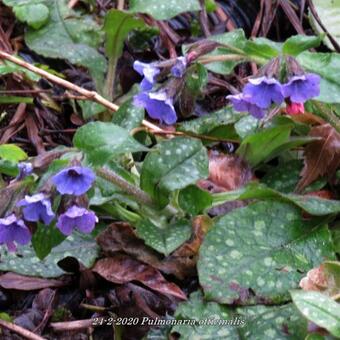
x=226, y=173
x=33, y=134
x=122, y=269
x=322, y=157
x=36, y=317
x=21, y=282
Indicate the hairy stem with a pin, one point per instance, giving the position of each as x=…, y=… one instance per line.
x=140, y=196
x=110, y=78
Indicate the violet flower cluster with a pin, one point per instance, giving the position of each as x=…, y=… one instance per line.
x=261, y=93
x=76, y=181
x=159, y=104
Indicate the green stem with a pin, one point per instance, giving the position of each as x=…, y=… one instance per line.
x=223, y=197
x=110, y=78
x=139, y=195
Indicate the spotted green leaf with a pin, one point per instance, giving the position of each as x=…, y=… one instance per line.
x=207, y=123
x=172, y=165
x=71, y=36
x=194, y=200
x=284, y=177
x=318, y=308
x=24, y=261
x=246, y=125
x=102, y=141
x=128, y=116
x=197, y=310
x=266, y=247
x=164, y=9
x=164, y=239
x=276, y=322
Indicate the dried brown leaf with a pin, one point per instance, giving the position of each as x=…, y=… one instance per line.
x=322, y=157
x=21, y=282
x=123, y=269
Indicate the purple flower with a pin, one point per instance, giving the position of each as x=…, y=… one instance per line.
x=149, y=71
x=241, y=103
x=264, y=91
x=179, y=68
x=37, y=208
x=13, y=230
x=25, y=169
x=158, y=105
x=301, y=88
x=77, y=218
x=75, y=180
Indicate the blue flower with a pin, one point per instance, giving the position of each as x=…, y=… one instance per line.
x=242, y=103
x=301, y=88
x=37, y=208
x=77, y=218
x=75, y=180
x=179, y=68
x=13, y=230
x=149, y=71
x=158, y=106
x=263, y=92
x=25, y=169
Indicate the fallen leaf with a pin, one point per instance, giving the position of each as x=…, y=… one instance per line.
x=122, y=269
x=21, y=282
x=36, y=317
x=322, y=157
x=226, y=173
x=33, y=134
x=324, y=279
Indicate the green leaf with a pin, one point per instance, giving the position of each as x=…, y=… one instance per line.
x=7, y=68
x=237, y=40
x=164, y=9
x=246, y=126
x=207, y=123
x=34, y=12
x=171, y=165
x=11, y=152
x=328, y=12
x=262, y=48
x=45, y=238
x=196, y=310
x=299, y=43
x=284, y=177
x=266, y=247
x=327, y=65
x=194, y=200
x=165, y=240
x=311, y=204
x=9, y=168
x=318, y=308
x=25, y=262
x=260, y=146
x=70, y=36
x=128, y=116
x=273, y=322
x=90, y=109
x=6, y=317
x=117, y=26
x=102, y=141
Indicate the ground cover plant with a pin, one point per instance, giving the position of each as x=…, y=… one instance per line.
x=169, y=169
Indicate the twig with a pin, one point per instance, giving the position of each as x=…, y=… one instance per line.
x=19, y=330
x=72, y=325
x=90, y=95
